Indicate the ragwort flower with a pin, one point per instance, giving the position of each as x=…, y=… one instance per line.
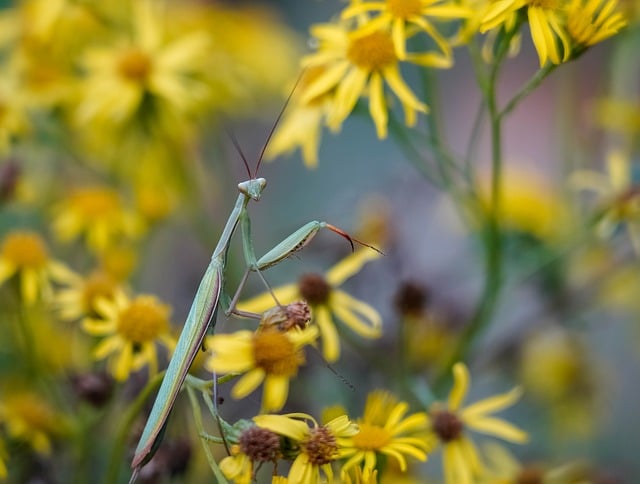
x=359, y=64
x=97, y=213
x=384, y=429
x=320, y=445
x=255, y=447
x=133, y=328
x=404, y=17
x=24, y=253
x=592, y=21
x=81, y=295
x=326, y=300
x=449, y=422
x=268, y=356
x=546, y=20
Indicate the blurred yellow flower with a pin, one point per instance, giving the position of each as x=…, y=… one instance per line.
x=326, y=300
x=97, y=213
x=592, y=21
x=355, y=65
x=404, y=17
x=268, y=356
x=25, y=254
x=14, y=121
x=80, y=296
x=119, y=261
x=132, y=331
x=147, y=77
x=27, y=417
x=386, y=431
x=546, y=21
x=3, y=460
x=320, y=445
x=461, y=461
x=617, y=195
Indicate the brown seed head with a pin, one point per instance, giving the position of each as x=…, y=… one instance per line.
x=447, y=425
x=260, y=445
x=314, y=289
x=321, y=447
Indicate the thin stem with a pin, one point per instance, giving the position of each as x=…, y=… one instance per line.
x=528, y=87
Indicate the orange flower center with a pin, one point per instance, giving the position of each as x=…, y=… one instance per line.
x=371, y=437
x=134, y=66
x=321, y=446
x=94, y=203
x=25, y=250
x=372, y=52
x=274, y=352
x=404, y=8
x=143, y=320
x=314, y=289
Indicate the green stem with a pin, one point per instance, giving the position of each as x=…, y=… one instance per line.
x=125, y=427
x=528, y=87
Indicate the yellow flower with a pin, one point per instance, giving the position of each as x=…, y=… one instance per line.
x=81, y=295
x=267, y=355
x=615, y=190
x=326, y=300
x=132, y=329
x=27, y=417
x=25, y=254
x=320, y=445
x=449, y=422
x=592, y=21
x=385, y=430
x=255, y=447
x=99, y=214
x=404, y=17
x=355, y=65
x=302, y=123
x=148, y=77
x=546, y=21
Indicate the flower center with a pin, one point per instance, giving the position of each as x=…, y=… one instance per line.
x=447, y=426
x=134, y=66
x=371, y=437
x=97, y=285
x=261, y=445
x=372, y=52
x=321, y=446
x=274, y=352
x=25, y=250
x=143, y=320
x=314, y=289
x=95, y=202
x=404, y=8
x=530, y=475
x=411, y=299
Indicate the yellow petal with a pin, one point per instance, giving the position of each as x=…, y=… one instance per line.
x=408, y=99
x=498, y=428
x=259, y=304
x=377, y=106
x=275, y=392
x=7, y=269
x=492, y=404
x=357, y=315
x=123, y=362
x=350, y=265
x=328, y=333
x=460, y=386
x=106, y=347
x=29, y=286
x=280, y=424
x=347, y=94
x=247, y=383
x=324, y=83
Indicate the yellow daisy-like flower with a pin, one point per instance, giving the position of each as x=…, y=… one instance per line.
x=385, y=430
x=148, y=75
x=27, y=417
x=449, y=422
x=403, y=17
x=25, y=254
x=133, y=328
x=255, y=447
x=326, y=300
x=546, y=20
x=359, y=64
x=592, y=21
x=616, y=191
x=268, y=356
x=81, y=295
x=302, y=123
x=320, y=445
x=99, y=214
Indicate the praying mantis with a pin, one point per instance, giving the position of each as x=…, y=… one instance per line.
x=205, y=303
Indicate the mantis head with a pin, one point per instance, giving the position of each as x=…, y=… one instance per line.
x=253, y=188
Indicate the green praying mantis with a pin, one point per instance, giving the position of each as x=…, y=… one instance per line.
x=205, y=303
